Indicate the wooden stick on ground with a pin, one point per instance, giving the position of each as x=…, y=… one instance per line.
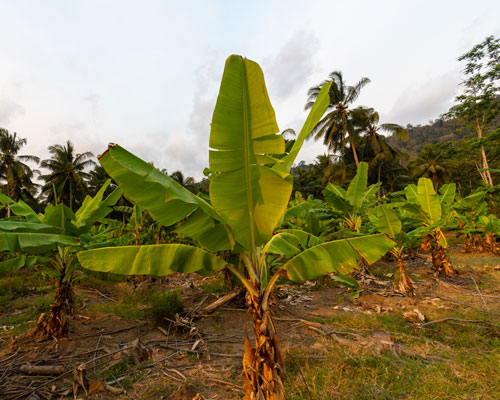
x=220, y=302
x=42, y=369
x=469, y=321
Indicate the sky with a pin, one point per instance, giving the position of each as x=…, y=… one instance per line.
x=145, y=74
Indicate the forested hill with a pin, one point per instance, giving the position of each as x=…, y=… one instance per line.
x=435, y=132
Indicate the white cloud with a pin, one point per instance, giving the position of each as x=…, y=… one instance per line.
x=9, y=110
x=293, y=63
x=426, y=101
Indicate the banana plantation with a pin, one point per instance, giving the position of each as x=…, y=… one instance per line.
x=151, y=287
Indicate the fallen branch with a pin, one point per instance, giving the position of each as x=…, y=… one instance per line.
x=220, y=302
x=225, y=383
x=99, y=293
x=42, y=369
x=469, y=321
x=479, y=291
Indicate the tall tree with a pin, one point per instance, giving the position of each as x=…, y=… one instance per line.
x=374, y=147
x=430, y=163
x=336, y=126
x=97, y=177
x=188, y=183
x=67, y=174
x=16, y=175
x=479, y=103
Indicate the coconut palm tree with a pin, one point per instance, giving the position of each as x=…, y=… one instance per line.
x=188, y=182
x=430, y=163
x=16, y=175
x=374, y=147
x=66, y=179
x=336, y=126
x=97, y=177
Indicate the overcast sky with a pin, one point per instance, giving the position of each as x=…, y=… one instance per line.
x=145, y=74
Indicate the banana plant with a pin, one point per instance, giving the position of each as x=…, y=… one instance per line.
x=309, y=215
x=250, y=187
x=352, y=204
x=479, y=228
x=490, y=225
x=431, y=212
x=55, y=235
x=388, y=221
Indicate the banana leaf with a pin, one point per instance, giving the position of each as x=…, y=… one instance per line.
x=166, y=200
x=156, y=260
x=34, y=242
x=249, y=195
x=356, y=190
x=340, y=256
x=429, y=200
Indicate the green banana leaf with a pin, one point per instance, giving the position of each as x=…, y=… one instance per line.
x=411, y=193
x=61, y=216
x=94, y=209
x=357, y=187
x=371, y=191
x=208, y=232
x=318, y=109
x=20, y=208
x=157, y=260
x=428, y=199
x=447, y=192
x=36, y=242
x=16, y=263
x=335, y=196
x=388, y=221
x=290, y=242
x=339, y=256
x=10, y=226
x=166, y=200
x=250, y=196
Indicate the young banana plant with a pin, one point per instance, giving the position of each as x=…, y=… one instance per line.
x=432, y=212
x=481, y=230
x=55, y=235
x=353, y=203
x=249, y=190
x=388, y=221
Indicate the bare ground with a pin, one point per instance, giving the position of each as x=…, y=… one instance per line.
x=116, y=355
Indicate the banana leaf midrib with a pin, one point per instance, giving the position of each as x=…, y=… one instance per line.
x=247, y=118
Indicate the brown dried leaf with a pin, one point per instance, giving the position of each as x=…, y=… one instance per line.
x=96, y=386
x=416, y=316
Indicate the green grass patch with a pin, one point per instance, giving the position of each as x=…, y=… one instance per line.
x=217, y=285
x=151, y=303
x=165, y=306
x=22, y=313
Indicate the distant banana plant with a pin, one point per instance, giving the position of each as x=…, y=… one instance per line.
x=352, y=204
x=51, y=238
x=388, y=221
x=249, y=192
x=481, y=230
x=432, y=212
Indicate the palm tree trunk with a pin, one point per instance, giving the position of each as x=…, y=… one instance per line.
x=434, y=180
x=355, y=154
x=351, y=141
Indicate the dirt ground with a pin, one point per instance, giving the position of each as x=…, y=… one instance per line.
x=112, y=354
